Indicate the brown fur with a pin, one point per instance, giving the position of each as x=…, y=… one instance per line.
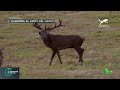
x=60, y=42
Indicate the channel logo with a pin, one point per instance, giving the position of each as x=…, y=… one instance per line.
x=9, y=73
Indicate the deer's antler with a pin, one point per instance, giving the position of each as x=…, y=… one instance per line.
x=37, y=26
x=60, y=24
x=49, y=28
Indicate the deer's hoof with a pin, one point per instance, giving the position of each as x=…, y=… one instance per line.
x=81, y=63
x=61, y=63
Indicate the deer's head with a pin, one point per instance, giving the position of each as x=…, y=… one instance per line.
x=45, y=31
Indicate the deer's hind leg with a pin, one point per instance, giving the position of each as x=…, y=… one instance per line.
x=80, y=52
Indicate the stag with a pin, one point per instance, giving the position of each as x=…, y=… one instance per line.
x=60, y=42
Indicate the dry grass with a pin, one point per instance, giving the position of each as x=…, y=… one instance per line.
x=24, y=49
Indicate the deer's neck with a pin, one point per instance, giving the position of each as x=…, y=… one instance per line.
x=48, y=41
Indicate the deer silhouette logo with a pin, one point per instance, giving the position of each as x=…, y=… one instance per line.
x=103, y=21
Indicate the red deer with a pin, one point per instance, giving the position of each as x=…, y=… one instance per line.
x=1, y=56
x=60, y=42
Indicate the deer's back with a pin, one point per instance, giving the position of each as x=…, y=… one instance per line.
x=65, y=41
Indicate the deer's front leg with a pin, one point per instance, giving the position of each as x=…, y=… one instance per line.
x=59, y=57
x=52, y=57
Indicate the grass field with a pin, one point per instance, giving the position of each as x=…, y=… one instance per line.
x=24, y=48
